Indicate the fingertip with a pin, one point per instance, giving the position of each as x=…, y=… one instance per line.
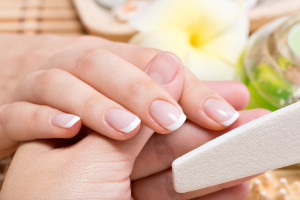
x=166, y=115
x=68, y=125
x=261, y=111
x=67, y=132
x=244, y=95
x=234, y=92
x=125, y=136
x=63, y=120
x=230, y=121
x=122, y=124
x=243, y=117
x=176, y=125
x=219, y=113
x=132, y=126
x=254, y=113
x=249, y=115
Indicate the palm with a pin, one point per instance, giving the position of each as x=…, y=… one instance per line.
x=91, y=171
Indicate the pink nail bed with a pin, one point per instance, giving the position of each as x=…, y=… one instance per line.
x=65, y=120
x=167, y=115
x=221, y=112
x=122, y=120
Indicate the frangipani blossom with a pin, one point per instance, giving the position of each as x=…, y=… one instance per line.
x=208, y=35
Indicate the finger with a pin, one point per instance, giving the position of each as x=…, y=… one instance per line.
x=127, y=85
x=160, y=151
x=239, y=192
x=63, y=91
x=160, y=186
x=226, y=89
x=125, y=150
x=204, y=106
x=201, y=104
x=126, y=51
x=24, y=121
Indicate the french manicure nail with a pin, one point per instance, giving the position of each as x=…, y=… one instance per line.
x=122, y=120
x=220, y=112
x=65, y=120
x=167, y=115
x=163, y=68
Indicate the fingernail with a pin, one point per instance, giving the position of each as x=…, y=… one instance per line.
x=65, y=120
x=122, y=120
x=167, y=115
x=163, y=68
x=220, y=112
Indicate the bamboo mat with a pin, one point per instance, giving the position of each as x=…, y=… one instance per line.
x=39, y=16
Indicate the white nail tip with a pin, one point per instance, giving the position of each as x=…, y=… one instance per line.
x=131, y=126
x=72, y=122
x=232, y=119
x=178, y=123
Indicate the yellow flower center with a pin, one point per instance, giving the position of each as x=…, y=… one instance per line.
x=196, y=36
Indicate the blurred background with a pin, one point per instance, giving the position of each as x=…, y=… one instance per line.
x=254, y=41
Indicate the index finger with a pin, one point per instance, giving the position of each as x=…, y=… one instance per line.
x=202, y=104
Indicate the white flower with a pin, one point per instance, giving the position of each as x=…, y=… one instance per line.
x=208, y=35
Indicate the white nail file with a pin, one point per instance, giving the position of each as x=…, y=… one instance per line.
x=270, y=142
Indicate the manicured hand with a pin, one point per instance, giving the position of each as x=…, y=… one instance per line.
x=97, y=167
x=50, y=85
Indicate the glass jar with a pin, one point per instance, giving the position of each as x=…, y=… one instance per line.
x=270, y=64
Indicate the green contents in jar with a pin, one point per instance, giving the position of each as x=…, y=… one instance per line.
x=269, y=66
x=276, y=89
x=265, y=82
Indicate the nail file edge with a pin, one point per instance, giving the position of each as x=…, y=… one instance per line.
x=263, y=139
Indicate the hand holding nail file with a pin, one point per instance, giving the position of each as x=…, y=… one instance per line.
x=270, y=142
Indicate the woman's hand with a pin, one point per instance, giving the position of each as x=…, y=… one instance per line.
x=97, y=167
x=49, y=83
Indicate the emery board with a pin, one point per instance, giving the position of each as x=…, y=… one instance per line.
x=269, y=142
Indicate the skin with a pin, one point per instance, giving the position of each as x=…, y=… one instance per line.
x=40, y=75
x=97, y=167
x=92, y=165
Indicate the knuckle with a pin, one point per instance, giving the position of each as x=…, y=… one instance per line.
x=88, y=105
x=35, y=115
x=192, y=86
x=88, y=60
x=43, y=79
x=139, y=86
